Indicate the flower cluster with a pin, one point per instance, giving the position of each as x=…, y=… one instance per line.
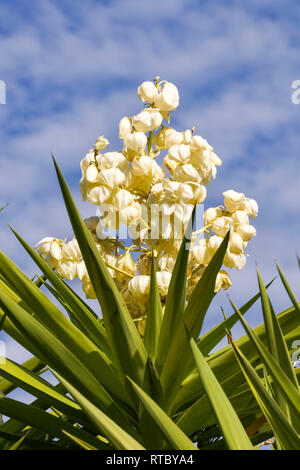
x=150, y=186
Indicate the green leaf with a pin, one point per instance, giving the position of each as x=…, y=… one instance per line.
x=173, y=434
x=289, y=289
x=280, y=425
x=279, y=377
x=179, y=356
x=61, y=359
x=154, y=315
x=38, y=387
x=175, y=302
x=87, y=321
x=153, y=439
x=277, y=345
x=55, y=321
x=119, y=438
x=45, y=422
x=124, y=338
x=32, y=365
x=210, y=339
x=232, y=429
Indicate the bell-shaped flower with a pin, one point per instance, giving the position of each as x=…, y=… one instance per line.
x=125, y=127
x=147, y=91
x=232, y=200
x=168, y=98
x=135, y=142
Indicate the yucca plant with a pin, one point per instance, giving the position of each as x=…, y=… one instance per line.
x=143, y=375
x=117, y=391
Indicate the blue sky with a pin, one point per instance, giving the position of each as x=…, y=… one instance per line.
x=72, y=69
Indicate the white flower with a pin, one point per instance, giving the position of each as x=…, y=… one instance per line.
x=91, y=174
x=167, y=137
x=198, y=144
x=67, y=269
x=71, y=251
x=239, y=218
x=168, y=98
x=126, y=264
x=135, y=142
x=112, y=177
x=231, y=260
x=187, y=136
x=214, y=243
x=236, y=243
x=49, y=246
x=177, y=155
x=232, y=200
x=166, y=262
x=250, y=206
x=147, y=91
x=139, y=285
x=222, y=281
x=211, y=213
x=246, y=231
x=147, y=120
x=201, y=253
x=186, y=173
x=112, y=160
x=163, y=281
x=44, y=245
x=82, y=271
x=125, y=127
x=101, y=143
x=221, y=225
x=98, y=194
x=86, y=161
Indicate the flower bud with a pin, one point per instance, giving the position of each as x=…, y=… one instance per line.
x=221, y=225
x=125, y=263
x=147, y=91
x=232, y=200
x=135, y=142
x=211, y=213
x=232, y=260
x=239, y=217
x=101, y=143
x=71, y=251
x=246, y=231
x=112, y=160
x=201, y=253
x=91, y=174
x=214, y=243
x=236, y=243
x=250, y=206
x=147, y=120
x=186, y=173
x=139, y=285
x=125, y=127
x=163, y=280
x=112, y=177
x=168, y=98
x=67, y=269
